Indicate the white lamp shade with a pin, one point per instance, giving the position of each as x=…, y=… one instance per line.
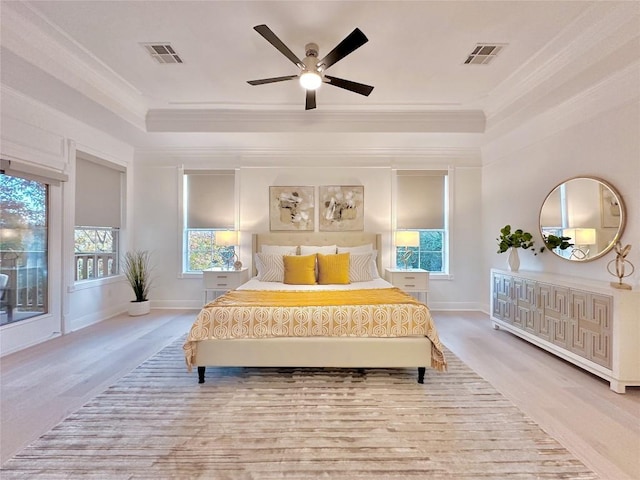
x=226, y=238
x=407, y=238
x=581, y=236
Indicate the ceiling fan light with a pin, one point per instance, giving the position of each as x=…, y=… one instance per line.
x=310, y=80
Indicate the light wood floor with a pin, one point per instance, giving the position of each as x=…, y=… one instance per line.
x=42, y=385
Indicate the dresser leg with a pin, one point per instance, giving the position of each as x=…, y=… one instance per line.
x=201, y=374
x=421, y=372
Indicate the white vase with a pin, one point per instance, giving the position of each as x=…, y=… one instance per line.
x=513, y=260
x=139, y=308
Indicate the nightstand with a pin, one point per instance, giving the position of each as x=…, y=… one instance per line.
x=411, y=280
x=216, y=281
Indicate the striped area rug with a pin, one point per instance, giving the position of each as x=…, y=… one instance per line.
x=258, y=423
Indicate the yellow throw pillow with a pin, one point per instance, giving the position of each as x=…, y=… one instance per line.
x=333, y=269
x=299, y=269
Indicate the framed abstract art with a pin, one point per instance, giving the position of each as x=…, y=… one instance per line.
x=341, y=208
x=291, y=208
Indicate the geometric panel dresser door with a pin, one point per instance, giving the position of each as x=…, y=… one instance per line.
x=587, y=323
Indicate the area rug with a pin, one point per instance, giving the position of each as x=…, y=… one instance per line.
x=287, y=423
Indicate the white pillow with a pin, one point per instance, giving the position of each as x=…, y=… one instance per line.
x=359, y=249
x=280, y=249
x=360, y=267
x=311, y=249
x=270, y=267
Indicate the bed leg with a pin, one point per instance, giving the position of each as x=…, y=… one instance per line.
x=201, y=374
x=421, y=372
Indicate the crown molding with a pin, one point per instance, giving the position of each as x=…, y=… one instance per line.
x=595, y=34
x=620, y=88
x=181, y=120
x=29, y=36
x=352, y=157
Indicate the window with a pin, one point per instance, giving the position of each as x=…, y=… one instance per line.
x=23, y=248
x=96, y=252
x=209, y=207
x=99, y=187
x=422, y=205
x=430, y=255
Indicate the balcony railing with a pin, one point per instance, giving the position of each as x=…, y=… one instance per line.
x=95, y=265
x=26, y=291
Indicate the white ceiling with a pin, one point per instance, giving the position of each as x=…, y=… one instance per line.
x=86, y=57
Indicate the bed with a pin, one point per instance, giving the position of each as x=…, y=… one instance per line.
x=359, y=322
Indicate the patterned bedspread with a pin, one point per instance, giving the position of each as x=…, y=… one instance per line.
x=387, y=312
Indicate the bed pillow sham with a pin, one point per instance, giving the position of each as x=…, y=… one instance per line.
x=362, y=266
x=270, y=267
x=299, y=269
x=333, y=269
x=280, y=249
x=324, y=249
x=358, y=249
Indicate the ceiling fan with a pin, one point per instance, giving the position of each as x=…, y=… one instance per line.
x=312, y=74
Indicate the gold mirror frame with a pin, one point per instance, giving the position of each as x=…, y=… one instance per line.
x=587, y=209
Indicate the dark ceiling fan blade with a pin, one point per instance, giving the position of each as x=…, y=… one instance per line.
x=310, y=103
x=352, y=41
x=356, y=87
x=262, y=81
x=276, y=42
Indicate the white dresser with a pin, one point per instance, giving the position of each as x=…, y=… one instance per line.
x=587, y=323
x=411, y=280
x=217, y=281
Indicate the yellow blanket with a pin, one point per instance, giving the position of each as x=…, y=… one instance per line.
x=388, y=312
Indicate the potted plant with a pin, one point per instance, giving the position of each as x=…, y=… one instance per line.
x=511, y=241
x=137, y=269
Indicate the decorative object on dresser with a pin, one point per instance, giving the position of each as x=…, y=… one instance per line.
x=405, y=239
x=619, y=263
x=588, y=213
x=291, y=208
x=342, y=208
x=411, y=280
x=216, y=281
x=229, y=239
x=509, y=241
x=137, y=269
x=584, y=322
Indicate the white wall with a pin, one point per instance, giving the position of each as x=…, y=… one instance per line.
x=40, y=135
x=156, y=200
x=522, y=167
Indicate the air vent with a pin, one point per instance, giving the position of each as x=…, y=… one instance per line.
x=483, y=54
x=162, y=52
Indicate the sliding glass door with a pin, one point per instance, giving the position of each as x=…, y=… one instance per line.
x=23, y=248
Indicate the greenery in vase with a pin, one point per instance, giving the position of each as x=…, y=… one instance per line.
x=137, y=269
x=516, y=239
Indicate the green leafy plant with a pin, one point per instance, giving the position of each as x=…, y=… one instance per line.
x=137, y=269
x=516, y=239
x=553, y=241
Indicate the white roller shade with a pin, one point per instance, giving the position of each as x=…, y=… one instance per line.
x=210, y=199
x=420, y=198
x=98, y=193
x=32, y=172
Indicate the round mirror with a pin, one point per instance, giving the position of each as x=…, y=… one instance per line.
x=582, y=219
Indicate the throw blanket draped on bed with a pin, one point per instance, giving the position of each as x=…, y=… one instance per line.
x=388, y=312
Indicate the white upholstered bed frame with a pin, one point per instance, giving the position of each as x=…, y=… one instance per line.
x=346, y=352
